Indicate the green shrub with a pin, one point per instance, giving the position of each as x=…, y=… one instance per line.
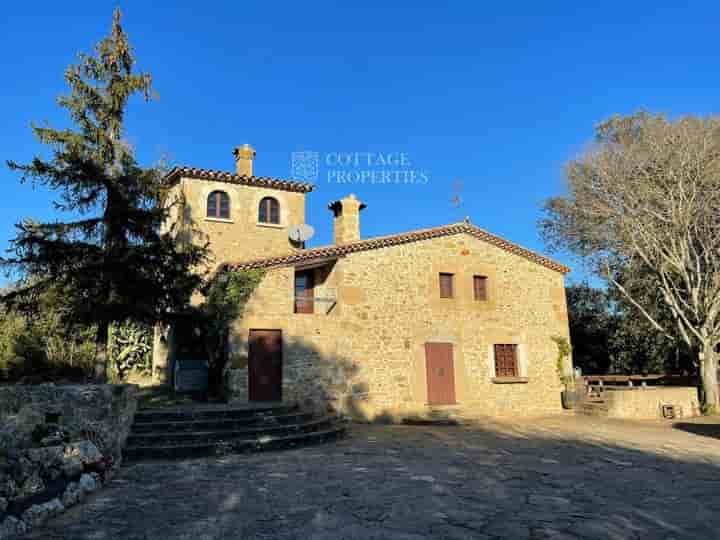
x=39, y=346
x=130, y=348
x=563, y=352
x=13, y=328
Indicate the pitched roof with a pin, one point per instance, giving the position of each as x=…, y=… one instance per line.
x=340, y=250
x=231, y=178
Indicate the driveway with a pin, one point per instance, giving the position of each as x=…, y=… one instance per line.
x=560, y=477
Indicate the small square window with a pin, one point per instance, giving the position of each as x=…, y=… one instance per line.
x=480, y=288
x=446, y=286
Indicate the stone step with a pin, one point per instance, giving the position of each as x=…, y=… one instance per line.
x=214, y=413
x=205, y=434
x=219, y=424
x=218, y=448
x=593, y=409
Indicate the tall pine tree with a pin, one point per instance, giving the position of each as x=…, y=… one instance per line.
x=112, y=254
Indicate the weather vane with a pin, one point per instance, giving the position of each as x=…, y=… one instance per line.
x=456, y=199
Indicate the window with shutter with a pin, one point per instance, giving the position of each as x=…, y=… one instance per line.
x=218, y=205
x=269, y=211
x=506, y=364
x=305, y=291
x=446, y=285
x=480, y=288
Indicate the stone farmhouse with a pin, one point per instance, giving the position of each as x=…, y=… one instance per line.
x=444, y=320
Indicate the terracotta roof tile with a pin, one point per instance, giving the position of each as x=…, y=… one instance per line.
x=230, y=178
x=394, y=240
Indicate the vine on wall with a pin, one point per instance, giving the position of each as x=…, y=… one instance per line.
x=564, y=349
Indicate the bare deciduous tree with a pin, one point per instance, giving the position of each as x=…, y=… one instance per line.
x=647, y=194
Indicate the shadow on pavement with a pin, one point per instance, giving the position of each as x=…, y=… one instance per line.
x=705, y=430
x=594, y=480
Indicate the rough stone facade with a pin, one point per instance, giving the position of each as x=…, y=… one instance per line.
x=363, y=350
x=241, y=236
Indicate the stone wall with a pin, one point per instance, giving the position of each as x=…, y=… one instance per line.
x=240, y=237
x=57, y=444
x=365, y=354
x=103, y=413
x=646, y=403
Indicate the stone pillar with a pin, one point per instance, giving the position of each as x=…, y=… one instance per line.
x=161, y=355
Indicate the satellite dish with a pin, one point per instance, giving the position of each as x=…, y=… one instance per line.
x=301, y=233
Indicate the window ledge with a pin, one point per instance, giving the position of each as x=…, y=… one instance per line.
x=510, y=380
x=219, y=220
x=271, y=225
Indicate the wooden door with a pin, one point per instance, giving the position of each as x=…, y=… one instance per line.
x=440, y=373
x=265, y=365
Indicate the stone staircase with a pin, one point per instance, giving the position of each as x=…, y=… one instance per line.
x=593, y=405
x=218, y=430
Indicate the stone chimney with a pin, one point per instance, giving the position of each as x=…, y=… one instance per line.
x=244, y=156
x=346, y=221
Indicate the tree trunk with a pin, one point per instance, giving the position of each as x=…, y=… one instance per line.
x=101, y=353
x=215, y=379
x=708, y=372
x=216, y=359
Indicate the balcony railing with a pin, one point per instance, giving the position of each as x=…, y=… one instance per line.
x=324, y=302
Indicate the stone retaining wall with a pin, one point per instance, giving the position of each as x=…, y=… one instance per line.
x=646, y=403
x=102, y=413
x=57, y=444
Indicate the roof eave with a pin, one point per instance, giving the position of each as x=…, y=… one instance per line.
x=415, y=236
x=177, y=173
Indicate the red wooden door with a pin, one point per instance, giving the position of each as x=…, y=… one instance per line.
x=265, y=365
x=440, y=373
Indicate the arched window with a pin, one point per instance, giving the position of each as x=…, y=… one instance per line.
x=269, y=211
x=218, y=205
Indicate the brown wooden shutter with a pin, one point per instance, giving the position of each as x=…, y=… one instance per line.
x=224, y=205
x=212, y=205
x=274, y=211
x=506, y=360
x=480, y=287
x=305, y=292
x=262, y=211
x=446, y=285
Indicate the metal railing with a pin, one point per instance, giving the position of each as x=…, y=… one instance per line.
x=595, y=385
x=326, y=299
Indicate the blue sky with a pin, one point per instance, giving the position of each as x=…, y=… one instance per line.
x=486, y=99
